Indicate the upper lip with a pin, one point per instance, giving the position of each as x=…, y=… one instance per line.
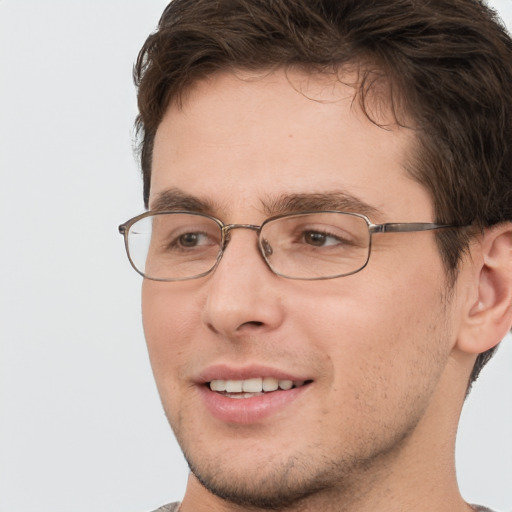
x=228, y=372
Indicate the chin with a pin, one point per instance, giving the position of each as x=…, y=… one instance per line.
x=274, y=485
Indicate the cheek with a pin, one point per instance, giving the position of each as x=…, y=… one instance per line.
x=169, y=327
x=384, y=345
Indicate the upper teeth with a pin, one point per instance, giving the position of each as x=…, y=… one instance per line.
x=256, y=385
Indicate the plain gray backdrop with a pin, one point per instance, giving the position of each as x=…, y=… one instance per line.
x=81, y=426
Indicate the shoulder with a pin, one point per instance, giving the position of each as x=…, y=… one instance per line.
x=170, y=507
x=479, y=508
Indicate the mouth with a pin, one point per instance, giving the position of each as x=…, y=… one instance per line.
x=253, y=387
x=252, y=394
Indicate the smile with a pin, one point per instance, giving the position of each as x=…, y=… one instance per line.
x=248, y=388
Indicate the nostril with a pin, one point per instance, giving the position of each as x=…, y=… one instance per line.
x=252, y=324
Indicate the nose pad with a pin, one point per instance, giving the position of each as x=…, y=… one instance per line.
x=226, y=240
x=267, y=248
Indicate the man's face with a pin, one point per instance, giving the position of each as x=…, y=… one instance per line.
x=366, y=351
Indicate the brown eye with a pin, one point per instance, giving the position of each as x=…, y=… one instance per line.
x=314, y=238
x=190, y=239
x=318, y=239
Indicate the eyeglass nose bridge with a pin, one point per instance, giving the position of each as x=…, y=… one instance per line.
x=264, y=247
x=227, y=228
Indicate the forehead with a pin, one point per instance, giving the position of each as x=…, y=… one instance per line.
x=244, y=139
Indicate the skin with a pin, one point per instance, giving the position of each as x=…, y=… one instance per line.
x=375, y=428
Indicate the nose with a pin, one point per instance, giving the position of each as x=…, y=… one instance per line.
x=243, y=295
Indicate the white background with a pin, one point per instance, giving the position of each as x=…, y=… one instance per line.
x=81, y=427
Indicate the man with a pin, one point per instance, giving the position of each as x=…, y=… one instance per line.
x=328, y=249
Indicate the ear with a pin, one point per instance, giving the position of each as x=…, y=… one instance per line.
x=488, y=314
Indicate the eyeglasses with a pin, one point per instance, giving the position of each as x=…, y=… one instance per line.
x=177, y=245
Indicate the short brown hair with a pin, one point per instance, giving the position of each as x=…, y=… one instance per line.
x=448, y=64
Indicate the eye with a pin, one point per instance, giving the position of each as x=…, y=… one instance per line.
x=191, y=240
x=319, y=239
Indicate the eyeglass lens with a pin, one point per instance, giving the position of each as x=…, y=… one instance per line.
x=176, y=246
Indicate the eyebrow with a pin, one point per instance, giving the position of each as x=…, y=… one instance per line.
x=174, y=199
x=332, y=200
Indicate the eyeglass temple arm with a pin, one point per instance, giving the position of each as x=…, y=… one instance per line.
x=407, y=227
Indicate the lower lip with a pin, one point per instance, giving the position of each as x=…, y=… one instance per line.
x=244, y=411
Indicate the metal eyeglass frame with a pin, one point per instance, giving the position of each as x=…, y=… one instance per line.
x=389, y=227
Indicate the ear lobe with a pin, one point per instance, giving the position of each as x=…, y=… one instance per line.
x=489, y=317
